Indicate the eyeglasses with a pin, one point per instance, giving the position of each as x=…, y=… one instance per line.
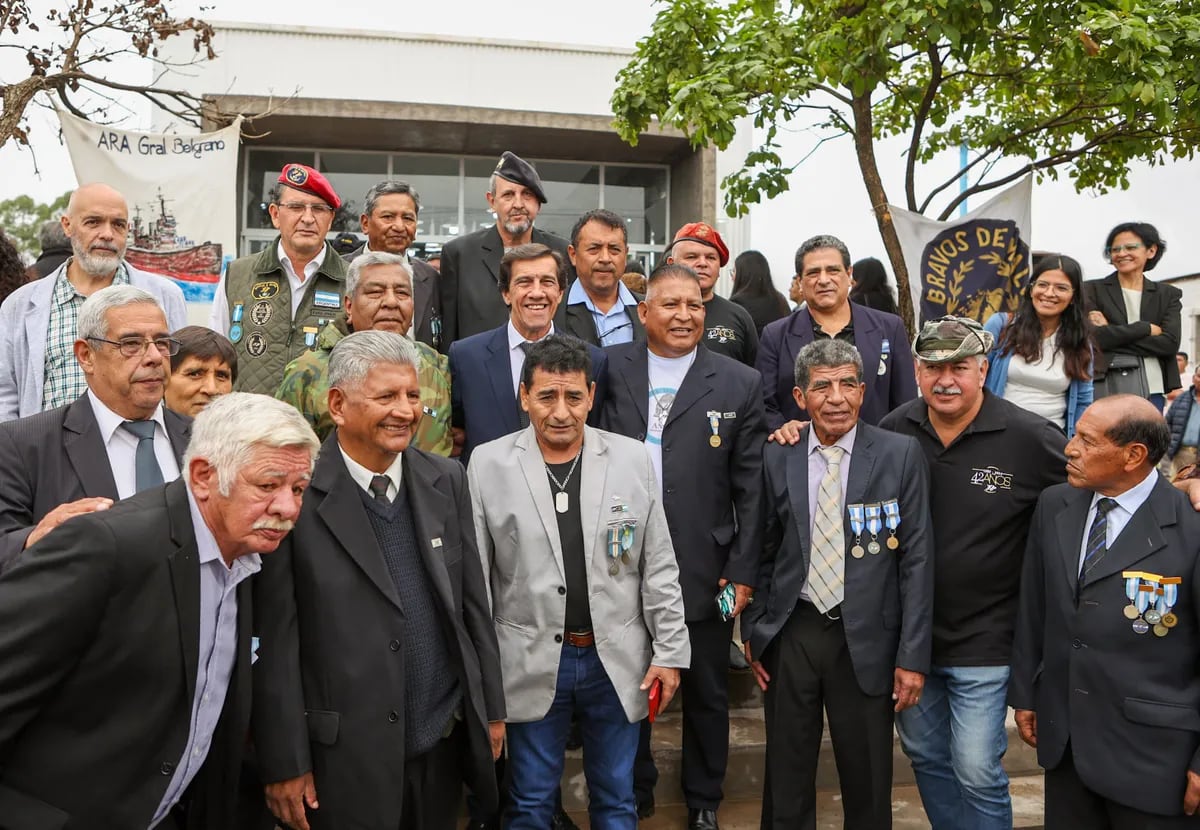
x=1053, y=288
x=1127, y=248
x=319, y=209
x=136, y=346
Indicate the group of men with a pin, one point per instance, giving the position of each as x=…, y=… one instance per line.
x=183, y=566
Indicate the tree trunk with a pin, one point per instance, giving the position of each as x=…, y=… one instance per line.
x=864, y=145
x=16, y=98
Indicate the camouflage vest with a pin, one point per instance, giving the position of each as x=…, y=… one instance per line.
x=261, y=327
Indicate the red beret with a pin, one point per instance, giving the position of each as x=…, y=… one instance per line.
x=304, y=178
x=705, y=234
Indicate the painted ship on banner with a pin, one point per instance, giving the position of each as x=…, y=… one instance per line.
x=158, y=247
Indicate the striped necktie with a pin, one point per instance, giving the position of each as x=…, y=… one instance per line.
x=1096, y=542
x=827, y=561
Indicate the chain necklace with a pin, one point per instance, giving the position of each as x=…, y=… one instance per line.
x=562, y=502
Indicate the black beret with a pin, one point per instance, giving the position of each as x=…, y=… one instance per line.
x=515, y=169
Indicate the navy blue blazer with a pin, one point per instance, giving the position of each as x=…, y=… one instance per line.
x=886, y=390
x=481, y=393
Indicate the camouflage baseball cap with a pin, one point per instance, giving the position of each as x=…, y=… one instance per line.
x=947, y=339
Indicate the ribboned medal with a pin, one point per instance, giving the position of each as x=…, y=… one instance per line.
x=714, y=423
x=874, y=525
x=857, y=522
x=1152, y=615
x=1170, y=595
x=886, y=350
x=310, y=336
x=1140, y=626
x=235, y=330
x=1132, y=580
x=891, y=517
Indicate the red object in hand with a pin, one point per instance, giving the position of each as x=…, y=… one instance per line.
x=655, y=697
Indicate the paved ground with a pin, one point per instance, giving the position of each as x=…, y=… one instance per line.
x=906, y=811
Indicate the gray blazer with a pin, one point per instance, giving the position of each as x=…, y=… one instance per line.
x=637, y=615
x=55, y=457
x=24, y=321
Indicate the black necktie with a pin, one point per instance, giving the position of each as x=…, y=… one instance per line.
x=522, y=415
x=1097, y=544
x=379, y=488
x=146, y=472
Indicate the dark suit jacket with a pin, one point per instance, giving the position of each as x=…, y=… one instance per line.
x=99, y=647
x=481, y=392
x=427, y=301
x=712, y=495
x=887, y=610
x=469, y=282
x=56, y=457
x=575, y=319
x=330, y=625
x=1161, y=304
x=782, y=340
x=1128, y=703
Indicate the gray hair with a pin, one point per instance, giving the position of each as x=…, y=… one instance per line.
x=356, y=354
x=386, y=188
x=823, y=240
x=229, y=429
x=93, y=314
x=52, y=235
x=826, y=354
x=360, y=264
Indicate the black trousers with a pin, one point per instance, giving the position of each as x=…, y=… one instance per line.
x=433, y=785
x=704, y=689
x=811, y=671
x=1070, y=805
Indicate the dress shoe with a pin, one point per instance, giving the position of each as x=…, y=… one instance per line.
x=562, y=821
x=737, y=658
x=702, y=820
x=645, y=809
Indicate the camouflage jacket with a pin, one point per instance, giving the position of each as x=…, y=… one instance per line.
x=305, y=387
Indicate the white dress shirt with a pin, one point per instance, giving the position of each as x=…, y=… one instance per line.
x=121, y=447
x=362, y=476
x=516, y=355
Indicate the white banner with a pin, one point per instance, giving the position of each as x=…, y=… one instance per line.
x=181, y=191
x=972, y=266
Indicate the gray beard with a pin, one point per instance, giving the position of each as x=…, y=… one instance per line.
x=102, y=265
x=519, y=227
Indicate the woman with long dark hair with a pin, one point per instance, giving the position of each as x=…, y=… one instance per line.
x=871, y=286
x=1042, y=360
x=1136, y=320
x=754, y=291
x=12, y=269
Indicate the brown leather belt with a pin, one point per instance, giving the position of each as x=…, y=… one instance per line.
x=581, y=639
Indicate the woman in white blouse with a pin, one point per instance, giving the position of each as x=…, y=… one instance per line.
x=1042, y=360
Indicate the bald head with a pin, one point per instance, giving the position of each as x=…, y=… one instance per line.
x=97, y=223
x=1117, y=443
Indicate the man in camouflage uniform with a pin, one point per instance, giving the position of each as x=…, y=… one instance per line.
x=378, y=295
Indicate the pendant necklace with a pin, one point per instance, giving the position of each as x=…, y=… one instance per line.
x=562, y=502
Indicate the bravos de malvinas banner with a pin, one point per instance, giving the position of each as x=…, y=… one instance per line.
x=973, y=266
x=181, y=191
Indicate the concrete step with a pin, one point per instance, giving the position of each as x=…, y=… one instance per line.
x=747, y=745
x=1027, y=793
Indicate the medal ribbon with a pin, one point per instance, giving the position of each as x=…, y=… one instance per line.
x=891, y=512
x=1145, y=592
x=714, y=421
x=874, y=523
x=857, y=519
x=237, y=313
x=1170, y=587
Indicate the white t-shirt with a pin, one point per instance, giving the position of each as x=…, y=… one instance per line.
x=1150, y=365
x=666, y=374
x=1041, y=387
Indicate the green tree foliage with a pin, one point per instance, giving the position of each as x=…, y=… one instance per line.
x=1042, y=85
x=21, y=219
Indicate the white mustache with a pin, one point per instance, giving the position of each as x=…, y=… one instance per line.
x=946, y=390
x=274, y=524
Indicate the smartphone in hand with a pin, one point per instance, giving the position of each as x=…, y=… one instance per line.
x=655, y=698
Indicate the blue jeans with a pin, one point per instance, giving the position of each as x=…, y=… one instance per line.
x=536, y=750
x=955, y=739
